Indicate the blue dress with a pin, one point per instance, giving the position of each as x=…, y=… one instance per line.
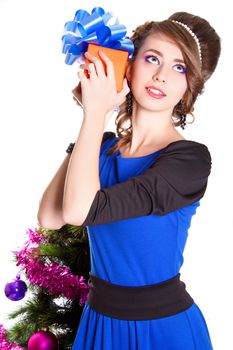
x=137, y=252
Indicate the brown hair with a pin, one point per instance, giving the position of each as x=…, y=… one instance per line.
x=197, y=72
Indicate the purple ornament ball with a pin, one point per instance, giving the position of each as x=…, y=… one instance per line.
x=16, y=289
x=43, y=340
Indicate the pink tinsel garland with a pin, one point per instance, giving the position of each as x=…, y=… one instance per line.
x=58, y=280
x=5, y=344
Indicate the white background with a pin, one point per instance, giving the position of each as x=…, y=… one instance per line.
x=39, y=119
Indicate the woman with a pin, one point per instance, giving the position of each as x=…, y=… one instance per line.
x=137, y=192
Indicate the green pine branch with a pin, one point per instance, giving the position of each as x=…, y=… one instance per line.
x=69, y=247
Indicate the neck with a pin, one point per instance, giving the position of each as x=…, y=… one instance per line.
x=150, y=129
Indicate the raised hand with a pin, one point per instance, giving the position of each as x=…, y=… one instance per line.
x=98, y=92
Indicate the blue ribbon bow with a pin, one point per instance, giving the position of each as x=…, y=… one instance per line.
x=98, y=28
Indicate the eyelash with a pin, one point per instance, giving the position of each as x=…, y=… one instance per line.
x=180, y=65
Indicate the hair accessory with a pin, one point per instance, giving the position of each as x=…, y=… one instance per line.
x=193, y=35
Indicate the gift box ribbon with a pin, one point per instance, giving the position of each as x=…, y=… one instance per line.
x=98, y=28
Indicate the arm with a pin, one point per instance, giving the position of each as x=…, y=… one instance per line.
x=82, y=178
x=178, y=178
x=50, y=213
x=50, y=207
x=99, y=97
x=73, y=188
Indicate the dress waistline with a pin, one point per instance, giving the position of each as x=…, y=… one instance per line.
x=138, y=303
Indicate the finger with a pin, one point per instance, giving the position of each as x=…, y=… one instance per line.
x=89, y=70
x=84, y=66
x=89, y=67
x=109, y=64
x=82, y=77
x=97, y=63
x=90, y=57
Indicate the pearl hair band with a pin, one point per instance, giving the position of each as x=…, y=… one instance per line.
x=193, y=35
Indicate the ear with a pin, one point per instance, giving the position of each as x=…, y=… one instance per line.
x=128, y=72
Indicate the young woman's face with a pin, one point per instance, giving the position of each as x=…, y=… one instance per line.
x=158, y=74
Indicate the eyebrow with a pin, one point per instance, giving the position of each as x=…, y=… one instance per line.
x=161, y=55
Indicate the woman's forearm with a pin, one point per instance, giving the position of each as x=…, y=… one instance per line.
x=82, y=177
x=99, y=97
x=50, y=213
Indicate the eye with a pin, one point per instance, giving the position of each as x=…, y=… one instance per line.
x=151, y=59
x=181, y=69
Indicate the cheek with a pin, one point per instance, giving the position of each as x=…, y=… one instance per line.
x=179, y=88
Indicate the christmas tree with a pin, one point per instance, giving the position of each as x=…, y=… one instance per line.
x=55, y=265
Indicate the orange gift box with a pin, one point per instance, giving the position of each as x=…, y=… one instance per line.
x=118, y=57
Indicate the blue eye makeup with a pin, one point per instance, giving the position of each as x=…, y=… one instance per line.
x=183, y=69
x=150, y=58
x=154, y=60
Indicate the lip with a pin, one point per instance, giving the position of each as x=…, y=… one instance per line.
x=155, y=95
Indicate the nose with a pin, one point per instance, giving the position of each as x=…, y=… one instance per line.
x=159, y=79
x=159, y=75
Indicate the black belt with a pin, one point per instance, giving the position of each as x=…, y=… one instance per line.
x=138, y=303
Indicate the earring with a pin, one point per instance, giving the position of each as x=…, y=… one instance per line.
x=183, y=116
x=183, y=121
x=129, y=103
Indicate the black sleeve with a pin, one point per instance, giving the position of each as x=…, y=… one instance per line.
x=177, y=178
x=107, y=135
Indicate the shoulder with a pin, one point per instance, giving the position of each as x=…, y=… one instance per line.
x=185, y=145
x=185, y=158
x=186, y=149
